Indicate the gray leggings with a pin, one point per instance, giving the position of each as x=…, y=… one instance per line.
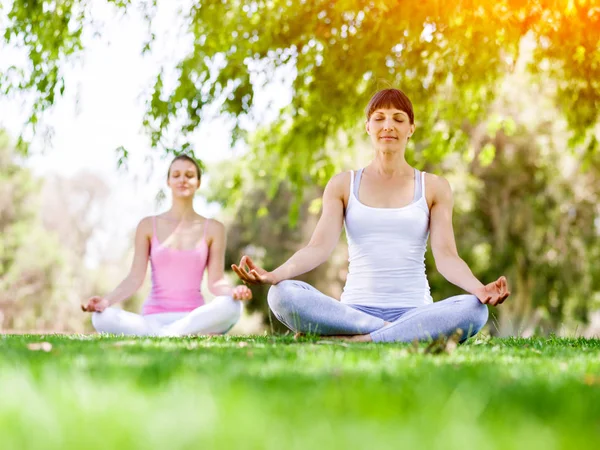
x=303, y=308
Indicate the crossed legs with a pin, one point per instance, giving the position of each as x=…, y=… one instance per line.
x=303, y=308
x=216, y=317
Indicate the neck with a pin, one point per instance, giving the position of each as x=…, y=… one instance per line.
x=182, y=209
x=391, y=163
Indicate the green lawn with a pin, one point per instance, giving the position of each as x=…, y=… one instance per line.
x=90, y=392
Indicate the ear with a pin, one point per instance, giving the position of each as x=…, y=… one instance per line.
x=412, y=129
x=367, y=127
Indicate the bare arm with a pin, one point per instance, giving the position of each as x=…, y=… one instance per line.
x=139, y=266
x=217, y=283
x=322, y=243
x=443, y=244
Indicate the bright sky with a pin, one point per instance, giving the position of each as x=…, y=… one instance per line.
x=103, y=109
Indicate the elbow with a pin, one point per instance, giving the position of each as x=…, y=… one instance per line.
x=218, y=287
x=134, y=281
x=213, y=289
x=442, y=269
x=137, y=285
x=445, y=261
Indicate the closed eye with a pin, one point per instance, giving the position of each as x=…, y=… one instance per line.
x=379, y=119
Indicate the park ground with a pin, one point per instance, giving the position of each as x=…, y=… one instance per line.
x=266, y=392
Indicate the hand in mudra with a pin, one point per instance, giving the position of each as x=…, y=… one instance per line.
x=242, y=293
x=95, y=304
x=250, y=273
x=494, y=293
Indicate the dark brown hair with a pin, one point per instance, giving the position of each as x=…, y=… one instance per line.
x=394, y=98
x=184, y=157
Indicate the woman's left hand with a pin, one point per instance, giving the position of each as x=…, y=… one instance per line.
x=242, y=293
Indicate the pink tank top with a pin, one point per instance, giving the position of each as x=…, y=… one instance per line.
x=176, y=276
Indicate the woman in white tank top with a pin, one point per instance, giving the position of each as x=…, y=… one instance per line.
x=389, y=210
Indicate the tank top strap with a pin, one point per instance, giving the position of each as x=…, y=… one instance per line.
x=357, y=182
x=418, y=185
x=423, y=184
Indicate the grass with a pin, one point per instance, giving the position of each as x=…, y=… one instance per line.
x=97, y=392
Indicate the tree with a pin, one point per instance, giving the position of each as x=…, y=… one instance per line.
x=33, y=273
x=81, y=200
x=43, y=240
x=450, y=57
x=528, y=208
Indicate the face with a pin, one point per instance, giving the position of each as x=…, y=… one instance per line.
x=183, y=179
x=389, y=129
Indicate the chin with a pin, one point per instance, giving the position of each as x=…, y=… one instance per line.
x=183, y=194
x=390, y=148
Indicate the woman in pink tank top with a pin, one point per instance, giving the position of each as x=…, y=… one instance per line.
x=180, y=245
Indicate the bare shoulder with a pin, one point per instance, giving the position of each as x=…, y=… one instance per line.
x=215, y=230
x=214, y=225
x=339, y=186
x=437, y=182
x=437, y=189
x=340, y=180
x=146, y=226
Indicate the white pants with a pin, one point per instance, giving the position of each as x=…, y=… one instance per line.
x=216, y=317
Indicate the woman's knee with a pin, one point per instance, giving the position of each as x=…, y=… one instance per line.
x=101, y=320
x=476, y=311
x=96, y=320
x=278, y=296
x=232, y=308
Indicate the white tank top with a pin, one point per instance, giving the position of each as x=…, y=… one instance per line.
x=386, y=249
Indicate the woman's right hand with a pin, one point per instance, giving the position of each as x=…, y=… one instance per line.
x=249, y=272
x=493, y=293
x=95, y=304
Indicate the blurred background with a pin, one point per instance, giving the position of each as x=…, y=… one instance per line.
x=96, y=97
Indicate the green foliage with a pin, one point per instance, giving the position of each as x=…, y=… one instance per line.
x=529, y=213
x=577, y=72
x=449, y=56
x=50, y=32
x=37, y=282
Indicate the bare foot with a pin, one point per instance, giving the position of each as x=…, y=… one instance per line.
x=352, y=338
